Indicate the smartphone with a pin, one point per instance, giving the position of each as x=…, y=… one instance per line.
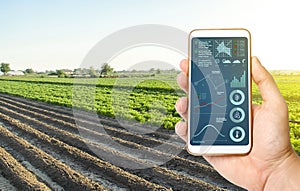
x=219, y=110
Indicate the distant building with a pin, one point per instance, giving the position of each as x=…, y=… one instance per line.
x=15, y=73
x=68, y=72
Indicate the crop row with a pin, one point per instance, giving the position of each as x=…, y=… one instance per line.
x=163, y=82
x=32, y=127
x=144, y=100
x=153, y=106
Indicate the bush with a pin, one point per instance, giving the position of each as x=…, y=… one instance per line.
x=296, y=146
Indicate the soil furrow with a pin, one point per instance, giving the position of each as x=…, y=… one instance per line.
x=100, y=138
x=201, y=171
x=39, y=104
x=67, y=114
x=67, y=121
x=116, y=132
x=93, y=164
x=165, y=178
x=5, y=184
x=183, y=172
x=18, y=175
x=58, y=171
x=76, y=140
x=95, y=136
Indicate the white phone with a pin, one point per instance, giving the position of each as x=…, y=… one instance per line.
x=219, y=110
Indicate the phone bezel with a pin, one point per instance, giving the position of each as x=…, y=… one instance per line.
x=218, y=149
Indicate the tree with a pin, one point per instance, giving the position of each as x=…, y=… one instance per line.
x=92, y=72
x=158, y=71
x=29, y=71
x=105, y=69
x=60, y=73
x=152, y=70
x=4, y=68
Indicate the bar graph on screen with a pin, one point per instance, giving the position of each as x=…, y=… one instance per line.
x=239, y=82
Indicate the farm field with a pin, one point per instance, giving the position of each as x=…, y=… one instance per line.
x=146, y=100
x=41, y=149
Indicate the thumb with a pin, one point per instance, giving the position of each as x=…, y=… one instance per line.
x=265, y=82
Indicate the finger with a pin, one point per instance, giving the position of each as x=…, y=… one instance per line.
x=182, y=107
x=184, y=65
x=182, y=81
x=181, y=130
x=255, y=107
x=265, y=82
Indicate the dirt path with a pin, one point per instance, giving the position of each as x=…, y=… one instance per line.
x=43, y=142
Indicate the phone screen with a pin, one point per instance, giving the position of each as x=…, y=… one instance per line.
x=219, y=97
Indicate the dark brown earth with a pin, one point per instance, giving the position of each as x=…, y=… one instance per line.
x=41, y=149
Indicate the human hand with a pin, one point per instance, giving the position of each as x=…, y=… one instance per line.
x=272, y=158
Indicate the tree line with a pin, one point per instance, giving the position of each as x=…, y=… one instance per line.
x=105, y=70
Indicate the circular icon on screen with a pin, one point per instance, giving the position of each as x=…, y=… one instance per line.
x=237, y=115
x=237, y=97
x=237, y=134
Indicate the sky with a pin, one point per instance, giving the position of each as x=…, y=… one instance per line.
x=58, y=34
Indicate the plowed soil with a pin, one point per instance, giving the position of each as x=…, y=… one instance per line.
x=41, y=149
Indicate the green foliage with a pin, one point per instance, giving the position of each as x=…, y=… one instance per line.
x=29, y=71
x=92, y=72
x=145, y=100
x=296, y=145
x=60, y=73
x=106, y=69
x=4, y=67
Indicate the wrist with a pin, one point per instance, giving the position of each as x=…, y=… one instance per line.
x=285, y=175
